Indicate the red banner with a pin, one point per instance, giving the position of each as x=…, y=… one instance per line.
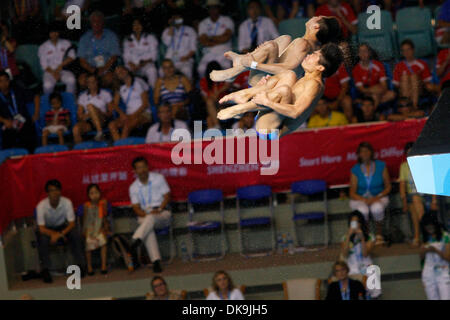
x=326, y=154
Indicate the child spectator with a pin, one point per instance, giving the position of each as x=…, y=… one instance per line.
x=436, y=252
x=223, y=288
x=57, y=120
x=212, y=92
x=325, y=117
x=336, y=91
x=412, y=76
x=370, y=76
x=412, y=200
x=95, y=226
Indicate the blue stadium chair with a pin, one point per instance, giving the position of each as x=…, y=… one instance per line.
x=382, y=40
x=414, y=23
x=153, y=107
x=294, y=27
x=389, y=75
x=13, y=152
x=202, y=198
x=309, y=188
x=254, y=193
x=129, y=141
x=51, y=149
x=90, y=145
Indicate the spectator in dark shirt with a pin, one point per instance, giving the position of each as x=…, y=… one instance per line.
x=366, y=112
x=405, y=111
x=18, y=129
x=345, y=288
x=7, y=51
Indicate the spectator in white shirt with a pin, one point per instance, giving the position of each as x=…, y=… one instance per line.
x=223, y=288
x=56, y=221
x=162, y=130
x=54, y=54
x=256, y=29
x=149, y=195
x=134, y=94
x=181, y=43
x=94, y=108
x=215, y=34
x=140, y=51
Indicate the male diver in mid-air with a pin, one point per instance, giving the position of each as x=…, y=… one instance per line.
x=283, y=102
x=282, y=53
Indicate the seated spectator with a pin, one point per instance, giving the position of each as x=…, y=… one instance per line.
x=98, y=50
x=162, y=131
x=343, y=12
x=324, y=117
x=18, y=129
x=56, y=222
x=288, y=9
x=436, y=253
x=140, y=52
x=215, y=34
x=443, y=66
x=256, y=29
x=181, y=43
x=370, y=77
x=7, y=52
x=133, y=93
x=370, y=186
x=57, y=120
x=336, y=91
x=160, y=291
x=95, y=227
x=173, y=89
x=27, y=22
x=212, y=92
x=367, y=112
x=412, y=76
x=442, y=33
x=405, y=111
x=223, y=288
x=357, y=247
x=345, y=288
x=150, y=196
x=412, y=201
x=54, y=55
x=245, y=123
x=94, y=108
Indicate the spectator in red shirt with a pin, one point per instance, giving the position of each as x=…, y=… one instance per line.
x=412, y=76
x=370, y=77
x=443, y=66
x=343, y=12
x=336, y=91
x=212, y=92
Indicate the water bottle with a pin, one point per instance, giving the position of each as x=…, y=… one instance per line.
x=279, y=244
x=184, y=252
x=290, y=244
x=285, y=244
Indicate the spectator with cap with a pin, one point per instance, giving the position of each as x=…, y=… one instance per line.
x=215, y=34
x=345, y=288
x=370, y=186
x=17, y=127
x=133, y=92
x=140, y=52
x=324, y=117
x=54, y=54
x=181, y=43
x=412, y=76
x=343, y=12
x=162, y=130
x=94, y=109
x=98, y=50
x=256, y=29
x=56, y=222
x=150, y=196
x=160, y=290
